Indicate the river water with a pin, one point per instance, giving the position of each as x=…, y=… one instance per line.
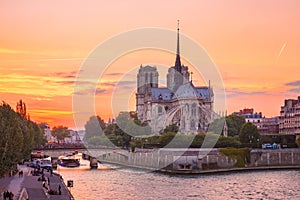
x=126, y=183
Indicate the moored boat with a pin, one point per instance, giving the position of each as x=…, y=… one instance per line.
x=72, y=161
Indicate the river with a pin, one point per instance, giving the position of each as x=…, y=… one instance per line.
x=126, y=183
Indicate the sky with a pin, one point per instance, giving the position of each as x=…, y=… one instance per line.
x=43, y=45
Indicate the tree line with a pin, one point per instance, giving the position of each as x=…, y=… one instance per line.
x=129, y=132
x=18, y=137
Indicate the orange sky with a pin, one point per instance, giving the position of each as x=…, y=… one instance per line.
x=255, y=45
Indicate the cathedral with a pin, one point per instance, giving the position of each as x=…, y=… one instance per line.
x=181, y=103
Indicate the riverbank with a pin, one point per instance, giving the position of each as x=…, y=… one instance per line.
x=216, y=171
x=30, y=187
x=203, y=161
x=203, y=172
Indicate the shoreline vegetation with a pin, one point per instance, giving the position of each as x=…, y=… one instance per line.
x=18, y=137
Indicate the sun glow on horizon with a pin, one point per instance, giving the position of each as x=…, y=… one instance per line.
x=255, y=46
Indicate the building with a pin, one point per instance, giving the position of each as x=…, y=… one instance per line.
x=48, y=133
x=264, y=125
x=249, y=115
x=73, y=139
x=268, y=125
x=289, y=120
x=181, y=103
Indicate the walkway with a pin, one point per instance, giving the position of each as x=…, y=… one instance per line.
x=28, y=186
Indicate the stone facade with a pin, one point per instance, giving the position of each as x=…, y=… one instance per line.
x=180, y=102
x=289, y=120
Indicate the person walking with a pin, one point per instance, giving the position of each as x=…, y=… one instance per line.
x=59, y=190
x=11, y=196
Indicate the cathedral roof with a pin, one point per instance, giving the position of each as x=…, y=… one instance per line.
x=161, y=94
x=185, y=90
x=203, y=92
x=189, y=90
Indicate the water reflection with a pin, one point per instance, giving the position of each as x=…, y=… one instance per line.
x=123, y=183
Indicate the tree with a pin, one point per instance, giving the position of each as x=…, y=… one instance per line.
x=166, y=138
x=217, y=126
x=171, y=128
x=249, y=135
x=100, y=141
x=38, y=134
x=227, y=142
x=94, y=127
x=60, y=132
x=234, y=124
x=11, y=138
x=18, y=137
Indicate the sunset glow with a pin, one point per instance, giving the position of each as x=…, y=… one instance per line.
x=255, y=45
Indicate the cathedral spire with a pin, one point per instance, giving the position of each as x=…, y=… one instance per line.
x=177, y=61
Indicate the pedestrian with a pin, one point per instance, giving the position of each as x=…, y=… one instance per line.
x=48, y=181
x=7, y=195
x=4, y=195
x=11, y=196
x=59, y=190
x=20, y=173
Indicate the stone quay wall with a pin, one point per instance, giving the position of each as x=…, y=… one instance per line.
x=203, y=159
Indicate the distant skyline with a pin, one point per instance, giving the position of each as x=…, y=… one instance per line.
x=255, y=45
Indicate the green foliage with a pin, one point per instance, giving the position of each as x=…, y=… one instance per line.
x=100, y=141
x=117, y=136
x=60, y=132
x=171, y=128
x=249, y=135
x=234, y=124
x=198, y=141
x=165, y=139
x=217, y=126
x=94, y=127
x=242, y=155
x=210, y=140
x=39, y=134
x=18, y=137
x=227, y=142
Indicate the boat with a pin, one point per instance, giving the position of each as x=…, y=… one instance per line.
x=45, y=163
x=73, y=161
x=41, y=163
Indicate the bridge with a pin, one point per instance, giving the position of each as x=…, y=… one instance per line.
x=93, y=152
x=192, y=160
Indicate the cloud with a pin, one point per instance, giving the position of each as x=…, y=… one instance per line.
x=114, y=74
x=234, y=92
x=126, y=82
x=71, y=74
x=108, y=84
x=120, y=84
x=295, y=90
x=100, y=91
x=294, y=83
x=90, y=91
x=295, y=86
x=65, y=82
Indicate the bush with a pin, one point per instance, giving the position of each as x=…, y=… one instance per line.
x=242, y=155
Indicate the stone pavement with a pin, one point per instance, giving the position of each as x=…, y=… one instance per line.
x=28, y=186
x=13, y=183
